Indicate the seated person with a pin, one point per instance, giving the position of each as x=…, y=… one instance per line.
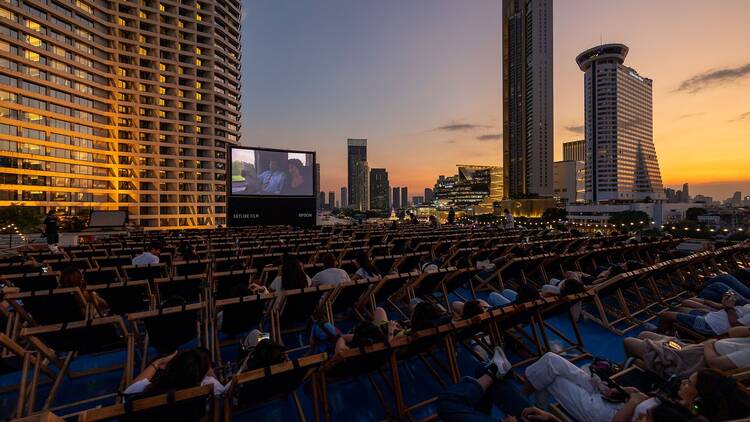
x=260, y=352
x=568, y=286
x=149, y=256
x=706, y=317
x=291, y=275
x=526, y=293
x=72, y=277
x=365, y=268
x=667, y=356
x=331, y=275
x=715, y=287
x=178, y=371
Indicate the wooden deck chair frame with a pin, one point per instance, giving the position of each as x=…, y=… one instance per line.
x=307, y=362
x=63, y=364
x=143, y=339
x=573, y=344
x=16, y=301
x=121, y=409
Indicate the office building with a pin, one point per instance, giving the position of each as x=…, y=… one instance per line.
x=321, y=200
x=344, y=197
x=316, y=184
x=356, y=151
x=361, y=183
x=331, y=200
x=396, y=198
x=379, y=189
x=471, y=185
x=570, y=181
x=527, y=98
x=120, y=106
x=404, y=197
x=429, y=195
x=621, y=162
x=418, y=200
x=574, y=150
x=686, y=192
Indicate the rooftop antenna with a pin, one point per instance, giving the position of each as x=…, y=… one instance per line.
x=600, y=39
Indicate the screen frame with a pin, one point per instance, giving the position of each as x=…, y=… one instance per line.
x=230, y=147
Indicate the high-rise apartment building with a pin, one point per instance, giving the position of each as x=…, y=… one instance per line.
x=331, y=200
x=356, y=151
x=344, y=198
x=621, y=162
x=404, y=197
x=574, y=150
x=361, y=185
x=120, y=105
x=396, y=198
x=570, y=181
x=379, y=189
x=527, y=98
x=429, y=195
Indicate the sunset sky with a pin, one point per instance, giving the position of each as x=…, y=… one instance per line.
x=421, y=80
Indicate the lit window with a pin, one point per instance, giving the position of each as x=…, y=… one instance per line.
x=121, y=22
x=180, y=24
x=198, y=51
x=180, y=93
x=142, y=51
x=162, y=67
x=141, y=87
x=198, y=17
x=161, y=7
x=33, y=117
x=198, y=84
x=162, y=90
x=142, y=15
x=162, y=102
x=198, y=62
x=198, y=96
x=33, y=26
x=36, y=42
x=162, y=78
x=198, y=118
x=30, y=55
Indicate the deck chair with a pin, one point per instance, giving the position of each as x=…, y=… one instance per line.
x=385, y=264
x=238, y=316
x=14, y=358
x=166, y=329
x=259, y=386
x=28, y=282
x=97, y=276
x=225, y=282
x=118, y=261
x=355, y=363
x=347, y=295
x=382, y=292
x=44, y=307
x=187, y=268
x=296, y=308
x=62, y=264
x=559, y=306
x=189, y=405
x=189, y=287
x=61, y=343
x=19, y=268
x=126, y=297
x=145, y=272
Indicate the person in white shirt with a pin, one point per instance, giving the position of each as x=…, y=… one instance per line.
x=706, y=317
x=291, y=275
x=149, y=256
x=509, y=222
x=178, y=371
x=330, y=276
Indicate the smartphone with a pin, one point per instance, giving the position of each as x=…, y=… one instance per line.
x=674, y=345
x=264, y=336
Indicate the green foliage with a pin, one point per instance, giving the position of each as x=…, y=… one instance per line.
x=639, y=220
x=25, y=218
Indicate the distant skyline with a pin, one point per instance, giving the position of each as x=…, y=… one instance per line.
x=421, y=80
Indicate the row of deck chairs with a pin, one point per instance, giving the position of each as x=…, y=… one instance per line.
x=631, y=299
x=434, y=348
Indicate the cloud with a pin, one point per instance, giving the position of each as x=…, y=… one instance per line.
x=459, y=127
x=451, y=141
x=490, y=137
x=574, y=128
x=714, y=78
x=689, y=115
x=743, y=116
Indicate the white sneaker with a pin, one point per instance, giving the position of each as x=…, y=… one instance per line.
x=502, y=362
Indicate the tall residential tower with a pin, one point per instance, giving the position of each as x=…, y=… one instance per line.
x=379, y=189
x=527, y=98
x=120, y=105
x=621, y=163
x=356, y=151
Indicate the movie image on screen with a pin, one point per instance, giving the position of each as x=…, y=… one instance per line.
x=272, y=173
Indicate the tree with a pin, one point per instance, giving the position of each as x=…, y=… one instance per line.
x=630, y=219
x=692, y=214
x=26, y=219
x=554, y=214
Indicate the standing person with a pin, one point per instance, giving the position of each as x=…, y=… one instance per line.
x=50, y=229
x=509, y=222
x=451, y=216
